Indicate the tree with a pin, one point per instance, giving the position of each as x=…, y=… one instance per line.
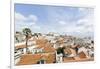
x=35, y=34
x=26, y=32
x=60, y=50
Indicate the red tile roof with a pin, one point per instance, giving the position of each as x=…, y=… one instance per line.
x=48, y=49
x=20, y=46
x=28, y=59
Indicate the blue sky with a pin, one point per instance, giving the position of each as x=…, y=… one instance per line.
x=60, y=19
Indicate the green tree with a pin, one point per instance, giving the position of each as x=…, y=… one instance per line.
x=60, y=50
x=26, y=32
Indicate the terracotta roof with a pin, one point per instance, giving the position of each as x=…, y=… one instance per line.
x=50, y=58
x=69, y=51
x=66, y=59
x=41, y=42
x=82, y=55
x=38, y=47
x=77, y=59
x=28, y=59
x=20, y=46
x=48, y=49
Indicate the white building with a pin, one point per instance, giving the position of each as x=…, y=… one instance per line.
x=59, y=57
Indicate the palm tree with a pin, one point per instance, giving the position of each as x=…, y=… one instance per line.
x=26, y=32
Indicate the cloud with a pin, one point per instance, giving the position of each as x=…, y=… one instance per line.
x=82, y=26
x=82, y=9
x=86, y=24
x=58, y=20
x=19, y=17
x=36, y=27
x=72, y=20
x=22, y=21
x=33, y=18
x=62, y=22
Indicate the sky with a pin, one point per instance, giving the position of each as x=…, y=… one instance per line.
x=58, y=19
